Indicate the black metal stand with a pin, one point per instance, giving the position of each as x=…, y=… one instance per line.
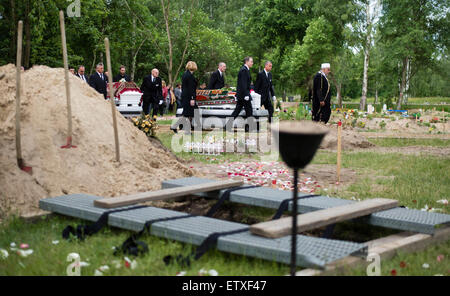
x=294, y=226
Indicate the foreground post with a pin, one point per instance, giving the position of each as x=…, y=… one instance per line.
x=294, y=225
x=297, y=142
x=339, y=151
x=66, y=76
x=111, y=98
x=20, y=161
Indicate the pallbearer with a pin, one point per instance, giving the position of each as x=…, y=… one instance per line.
x=264, y=87
x=217, y=80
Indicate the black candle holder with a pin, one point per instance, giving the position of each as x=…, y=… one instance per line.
x=298, y=142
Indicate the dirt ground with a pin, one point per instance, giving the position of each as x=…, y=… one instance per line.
x=91, y=168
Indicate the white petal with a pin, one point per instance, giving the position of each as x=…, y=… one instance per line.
x=103, y=268
x=3, y=254
x=213, y=272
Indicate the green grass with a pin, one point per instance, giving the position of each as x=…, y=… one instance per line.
x=49, y=259
x=415, y=101
x=412, y=263
x=399, y=142
x=413, y=181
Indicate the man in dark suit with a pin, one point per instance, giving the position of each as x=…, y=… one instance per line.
x=321, y=110
x=244, y=99
x=81, y=74
x=122, y=75
x=264, y=87
x=99, y=80
x=217, y=80
x=152, y=89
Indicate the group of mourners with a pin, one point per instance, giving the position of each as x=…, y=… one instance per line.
x=156, y=96
x=163, y=97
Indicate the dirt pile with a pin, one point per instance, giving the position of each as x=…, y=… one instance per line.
x=350, y=140
x=90, y=168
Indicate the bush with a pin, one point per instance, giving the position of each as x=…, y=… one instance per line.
x=382, y=124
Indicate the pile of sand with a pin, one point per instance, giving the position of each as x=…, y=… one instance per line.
x=90, y=168
x=350, y=139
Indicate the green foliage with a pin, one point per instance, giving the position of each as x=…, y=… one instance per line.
x=296, y=35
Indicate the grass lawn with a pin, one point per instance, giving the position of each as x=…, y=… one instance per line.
x=398, y=142
x=414, y=181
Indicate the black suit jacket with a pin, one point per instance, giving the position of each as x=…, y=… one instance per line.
x=152, y=90
x=264, y=86
x=119, y=77
x=85, y=76
x=216, y=81
x=244, y=82
x=98, y=83
x=188, y=87
x=321, y=89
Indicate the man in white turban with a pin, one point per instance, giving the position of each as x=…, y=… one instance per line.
x=321, y=110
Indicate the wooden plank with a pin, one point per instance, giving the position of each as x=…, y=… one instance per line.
x=386, y=247
x=165, y=194
x=317, y=219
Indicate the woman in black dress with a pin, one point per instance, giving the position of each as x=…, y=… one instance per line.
x=188, y=90
x=188, y=95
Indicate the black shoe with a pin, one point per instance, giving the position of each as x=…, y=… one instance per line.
x=174, y=130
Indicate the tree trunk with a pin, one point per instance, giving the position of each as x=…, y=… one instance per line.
x=362, y=103
x=93, y=63
x=169, y=39
x=13, y=49
x=403, y=83
x=339, y=94
x=133, y=53
x=408, y=75
x=376, y=95
x=27, y=56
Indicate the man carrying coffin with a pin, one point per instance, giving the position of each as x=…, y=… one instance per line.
x=217, y=80
x=264, y=87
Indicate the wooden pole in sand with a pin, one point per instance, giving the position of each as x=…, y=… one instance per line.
x=339, y=150
x=111, y=99
x=66, y=75
x=18, y=91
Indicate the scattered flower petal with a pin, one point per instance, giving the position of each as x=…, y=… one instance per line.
x=202, y=272
x=103, y=268
x=181, y=273
x=443, y=201
x=24, y=246
x=440, y=258
x=393, y=272
x=426, y=265
x=24, y=253
x=98, y=273
x=402, y=264
x=213, y=272
x=117, y=264
x=3, y=254
x=55, y=242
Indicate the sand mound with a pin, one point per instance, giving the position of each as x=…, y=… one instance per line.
x=350, y=140
x=91, y=168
